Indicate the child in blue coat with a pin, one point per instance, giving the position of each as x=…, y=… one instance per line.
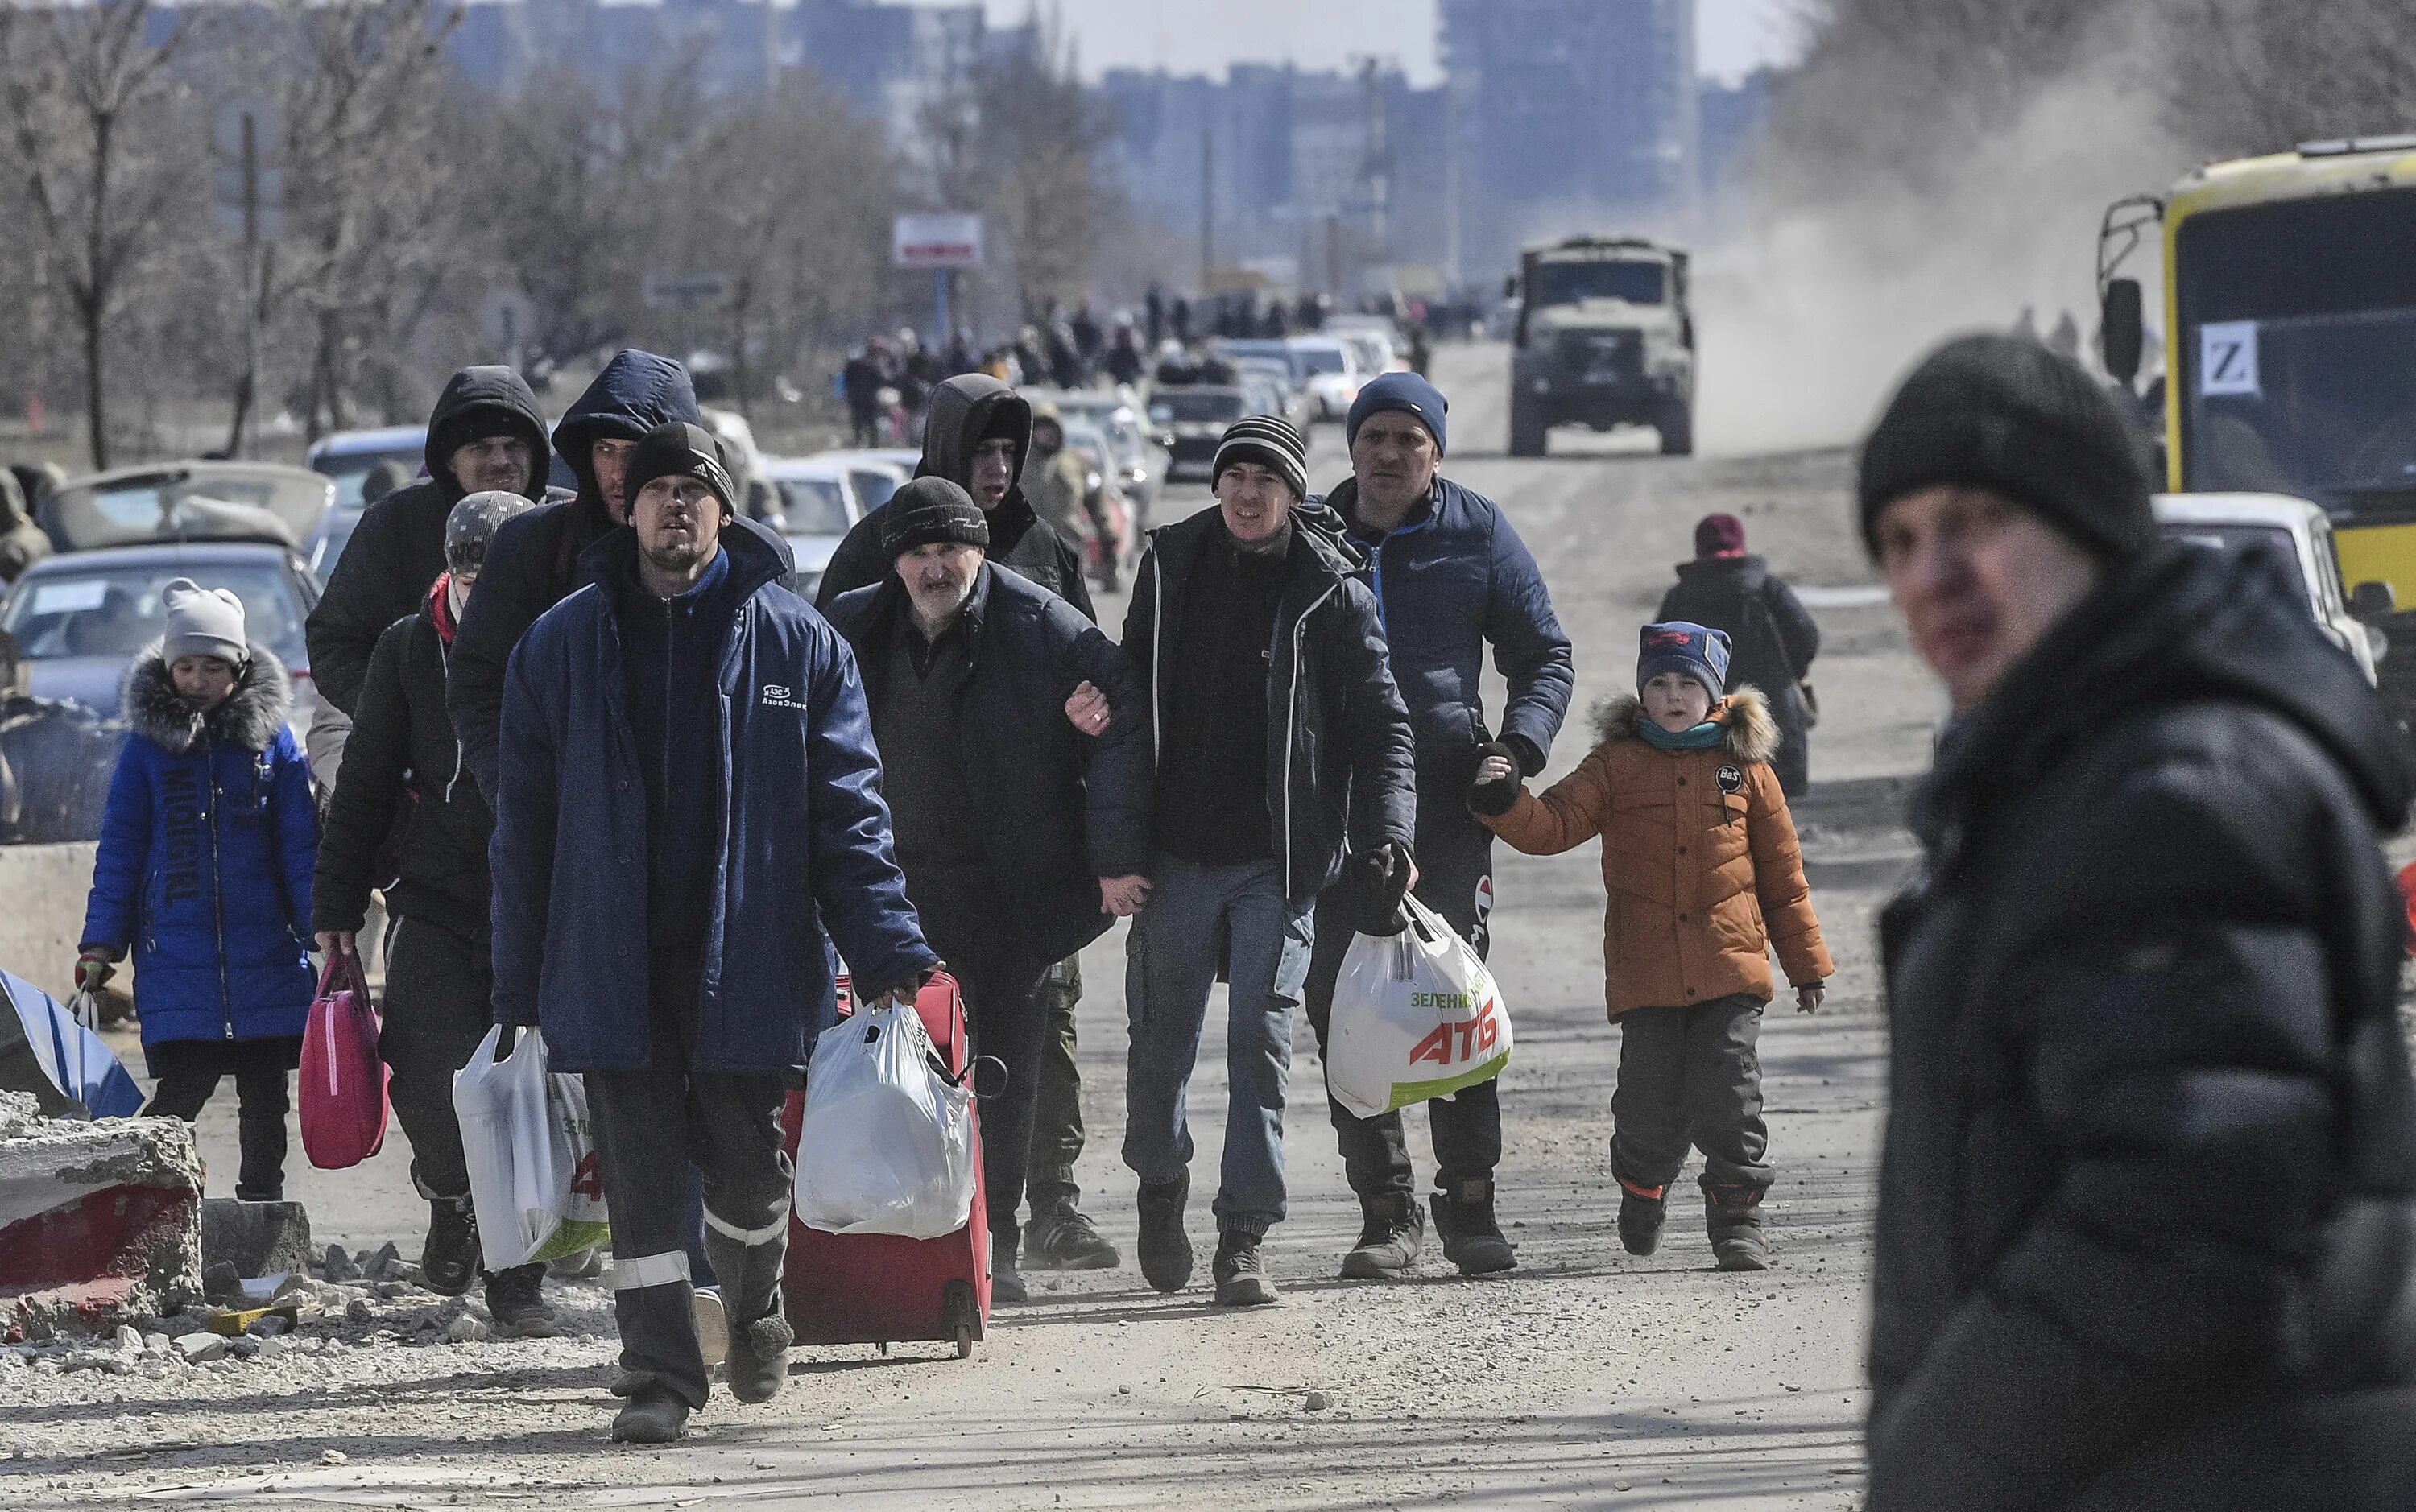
x=206, y=851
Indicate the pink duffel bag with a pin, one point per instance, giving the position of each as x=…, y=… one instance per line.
x=343, y=1081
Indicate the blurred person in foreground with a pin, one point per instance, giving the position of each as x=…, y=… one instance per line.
x=402, y=776
x=689, y=800
x=2146, y=1230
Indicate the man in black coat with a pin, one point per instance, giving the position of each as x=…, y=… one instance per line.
x=486, y=433
x=1019, y=823
x=2148, y=1203
x=1773, y=634
x=402, y=762
x=534, y=563
x=977, y=435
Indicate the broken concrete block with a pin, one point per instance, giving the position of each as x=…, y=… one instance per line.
x=197, y=1349
x=386, y=1265
x=256, y=1238
x=129, y=1339
x=338, y=1266
x=99, y=1222
x=466, y=1330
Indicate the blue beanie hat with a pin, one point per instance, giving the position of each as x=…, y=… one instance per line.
x=1406, y=392
x=1688, y=649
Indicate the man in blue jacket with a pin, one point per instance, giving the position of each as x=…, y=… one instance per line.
x=1449, y=574
x=1020, y=824
x=687, y=796
x=1276, y=737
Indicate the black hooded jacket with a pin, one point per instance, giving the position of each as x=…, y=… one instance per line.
x=964, y=410
x=532, y=563
x=1772, y=635
x=401, y=760
x=399, y=547
x=2147, y=1229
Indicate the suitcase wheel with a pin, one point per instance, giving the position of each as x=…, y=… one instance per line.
x=959, y=1316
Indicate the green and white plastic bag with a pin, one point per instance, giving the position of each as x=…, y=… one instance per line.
x=531, y=1154
x=1416, y=1015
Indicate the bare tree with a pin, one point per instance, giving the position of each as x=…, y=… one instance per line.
x=104, y=137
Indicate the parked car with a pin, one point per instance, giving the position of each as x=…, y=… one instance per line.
x=2294, y=533
x=1334, y=373
x=349, y=456
x=1140, y=465
x=817, y=507
x=874, y=474
x=187, y=502
x=1287, y=401
x=326, y=544
x=1193, y=419
x=78, y=619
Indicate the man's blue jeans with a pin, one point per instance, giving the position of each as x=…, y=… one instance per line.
x=1198, y=918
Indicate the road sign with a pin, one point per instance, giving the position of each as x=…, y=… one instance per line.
x=936, y=242
x=506, y=316
x=689, y=291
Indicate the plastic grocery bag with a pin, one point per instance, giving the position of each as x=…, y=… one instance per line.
x=887, y=1146
x=531, y=1154
x=1416, y=1015
x=343, y=1091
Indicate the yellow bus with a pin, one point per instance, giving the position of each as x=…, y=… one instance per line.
x=2289, y=332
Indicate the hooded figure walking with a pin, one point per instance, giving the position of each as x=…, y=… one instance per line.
x=2148, y=1203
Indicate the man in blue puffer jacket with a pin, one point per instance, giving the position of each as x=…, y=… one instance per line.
x=205, y=866
x=1450, y=573
x=687, y=795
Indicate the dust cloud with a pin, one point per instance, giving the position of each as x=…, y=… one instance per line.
x=1809, y=307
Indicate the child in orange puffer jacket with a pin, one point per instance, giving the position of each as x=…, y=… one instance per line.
x=1700, y=857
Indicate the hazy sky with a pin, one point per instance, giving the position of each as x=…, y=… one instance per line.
x=1203, y=36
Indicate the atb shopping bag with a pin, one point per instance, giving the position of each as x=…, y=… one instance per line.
x=1416, y=1015
x=531, y=1154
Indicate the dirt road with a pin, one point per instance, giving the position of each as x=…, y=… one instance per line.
x=1587, y=1378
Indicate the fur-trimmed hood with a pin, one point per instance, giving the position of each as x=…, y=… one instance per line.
x=249, y=718
x=1752, y=732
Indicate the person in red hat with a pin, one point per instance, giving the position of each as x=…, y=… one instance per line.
x=1728, y=589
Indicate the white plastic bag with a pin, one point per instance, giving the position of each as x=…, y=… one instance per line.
x=531, y=1154
x=887, y=1146
x=1415, y=1016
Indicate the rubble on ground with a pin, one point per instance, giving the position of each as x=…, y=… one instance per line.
x=99, y=1222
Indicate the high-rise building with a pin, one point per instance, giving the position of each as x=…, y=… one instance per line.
x=1566, y=115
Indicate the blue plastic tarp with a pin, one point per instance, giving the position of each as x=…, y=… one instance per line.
x=75, y=1059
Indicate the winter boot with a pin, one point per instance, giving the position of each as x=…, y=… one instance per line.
x=654, y=1416
x=1394, y=1228
x=759, y=1358
x=1065, y=1238
x=1165, y=1249
x=1007, y=1286
x=516, y=1300
x=1732, y=1213
x=448, y=1259
x=1242, y=1280
x=1471, y=1239
x=1641, y=1210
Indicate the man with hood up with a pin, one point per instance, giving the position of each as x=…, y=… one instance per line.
x=534, y=563
x=2147, y=1200
x=486, y=434
x=977, y=434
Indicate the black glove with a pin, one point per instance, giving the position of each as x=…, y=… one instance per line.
x=1494, y=798
x=1380, y=879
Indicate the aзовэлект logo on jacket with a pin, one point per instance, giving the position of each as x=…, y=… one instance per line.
x=780, y=696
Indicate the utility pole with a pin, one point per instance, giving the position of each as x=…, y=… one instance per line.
x=1207, y=208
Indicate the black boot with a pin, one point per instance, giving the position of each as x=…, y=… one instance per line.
x=1065, y=1238
x=1472, y=1240
x=1242, y=1279
x=448, y=1257
x=514, y=1300
x=1393, y=1230
x=758, y=1363
x=657, y=1417
x=1732, y=1214
x=1641, y=1210
x=1165, y=1250
x=1007, y=1288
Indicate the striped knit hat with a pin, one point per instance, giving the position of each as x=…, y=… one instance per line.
x=1270, y=443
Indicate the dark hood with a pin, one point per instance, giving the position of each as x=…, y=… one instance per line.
x=2182, y=624
x=961, y=413
x=485, y=401
x=636, y=391
x=1746, y=573
x=249, y=718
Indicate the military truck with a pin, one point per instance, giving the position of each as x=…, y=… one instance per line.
x=1604, y=337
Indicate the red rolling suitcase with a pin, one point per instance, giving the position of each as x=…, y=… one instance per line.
x=880, y=1288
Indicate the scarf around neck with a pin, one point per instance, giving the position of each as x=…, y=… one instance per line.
x=1703, y=737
